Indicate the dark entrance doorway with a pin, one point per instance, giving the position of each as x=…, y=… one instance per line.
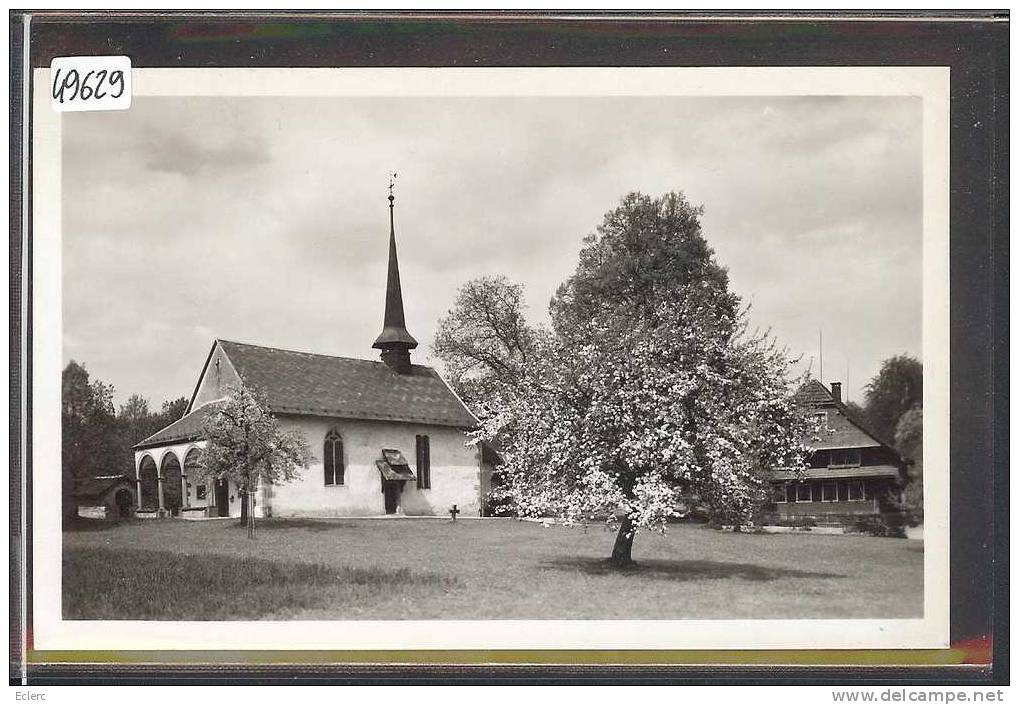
x=222, y=498
x=173, y=496
x=391, y=492
x=147, y=473
x=123, y=499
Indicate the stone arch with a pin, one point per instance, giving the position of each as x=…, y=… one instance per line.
x=171, y=472
x=193, y=473
x=192, y=459
x=148, y=477
x=123, y=501
x=167, y=452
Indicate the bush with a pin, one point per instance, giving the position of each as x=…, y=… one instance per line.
x=882, y=526
x=495, y=508
x=691, y=514
x=912, y=502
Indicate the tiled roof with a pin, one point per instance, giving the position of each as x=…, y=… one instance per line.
x=322, y=385
x=343, y=387
x=186, y=428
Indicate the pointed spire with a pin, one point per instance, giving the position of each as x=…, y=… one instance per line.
x=394, y=341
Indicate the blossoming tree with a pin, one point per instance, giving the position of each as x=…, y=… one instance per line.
x=648, y=385
x=484, y=340
x=246, y=445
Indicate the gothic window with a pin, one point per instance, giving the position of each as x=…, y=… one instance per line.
x=332, y=458
x=424, y=463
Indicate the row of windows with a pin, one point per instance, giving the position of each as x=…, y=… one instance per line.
x=334, y=467
x=838, y=458
x=849, y=457
x=833, y=491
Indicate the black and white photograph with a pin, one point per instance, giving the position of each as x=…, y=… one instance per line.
x=499, y=354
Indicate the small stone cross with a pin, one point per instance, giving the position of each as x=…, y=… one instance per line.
x=453, y=512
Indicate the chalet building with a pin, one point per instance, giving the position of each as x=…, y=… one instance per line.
x=852, y=473
x=387, y=436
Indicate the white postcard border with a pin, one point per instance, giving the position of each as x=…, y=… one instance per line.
x=51, y=632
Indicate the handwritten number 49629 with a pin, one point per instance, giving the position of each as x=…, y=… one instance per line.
x=94, y=84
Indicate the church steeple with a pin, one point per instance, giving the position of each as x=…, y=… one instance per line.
x=394, y=341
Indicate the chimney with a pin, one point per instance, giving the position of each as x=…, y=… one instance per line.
x=836, y=391
x=394, y=341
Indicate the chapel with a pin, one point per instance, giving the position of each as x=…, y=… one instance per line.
x=388, y=435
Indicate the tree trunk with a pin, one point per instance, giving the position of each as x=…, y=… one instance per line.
x=244, y=506
x=623, y=548
x=251, y=515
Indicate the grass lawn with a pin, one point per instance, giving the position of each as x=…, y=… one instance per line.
x=487, y=569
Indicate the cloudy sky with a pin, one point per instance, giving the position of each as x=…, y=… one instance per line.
x=264, y=220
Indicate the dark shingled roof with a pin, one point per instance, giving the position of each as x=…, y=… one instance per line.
x=186, y=428
x=844, y=431
x=814, y=393
x=343, y=387
x=96, y=487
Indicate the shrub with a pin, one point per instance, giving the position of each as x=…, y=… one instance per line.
x=912, y=502
x=882, y=526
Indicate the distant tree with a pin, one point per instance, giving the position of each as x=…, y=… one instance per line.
x=135, y=409
x=246, y=445
x=909, y=440
x=484, y=340
x=174, y=409
x=88, y=434
x=135, y=422
x=649, y=385
x=858, y=414
x=854, y=410
x=897, y=388
x=96, y=440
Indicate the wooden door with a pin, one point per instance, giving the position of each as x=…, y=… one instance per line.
x=223, y=498
x=391, y=493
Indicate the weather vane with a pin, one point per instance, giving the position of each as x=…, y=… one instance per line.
x=392, y=182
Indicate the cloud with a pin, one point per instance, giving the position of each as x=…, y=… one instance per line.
x=180, y=154
x=266, y=220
